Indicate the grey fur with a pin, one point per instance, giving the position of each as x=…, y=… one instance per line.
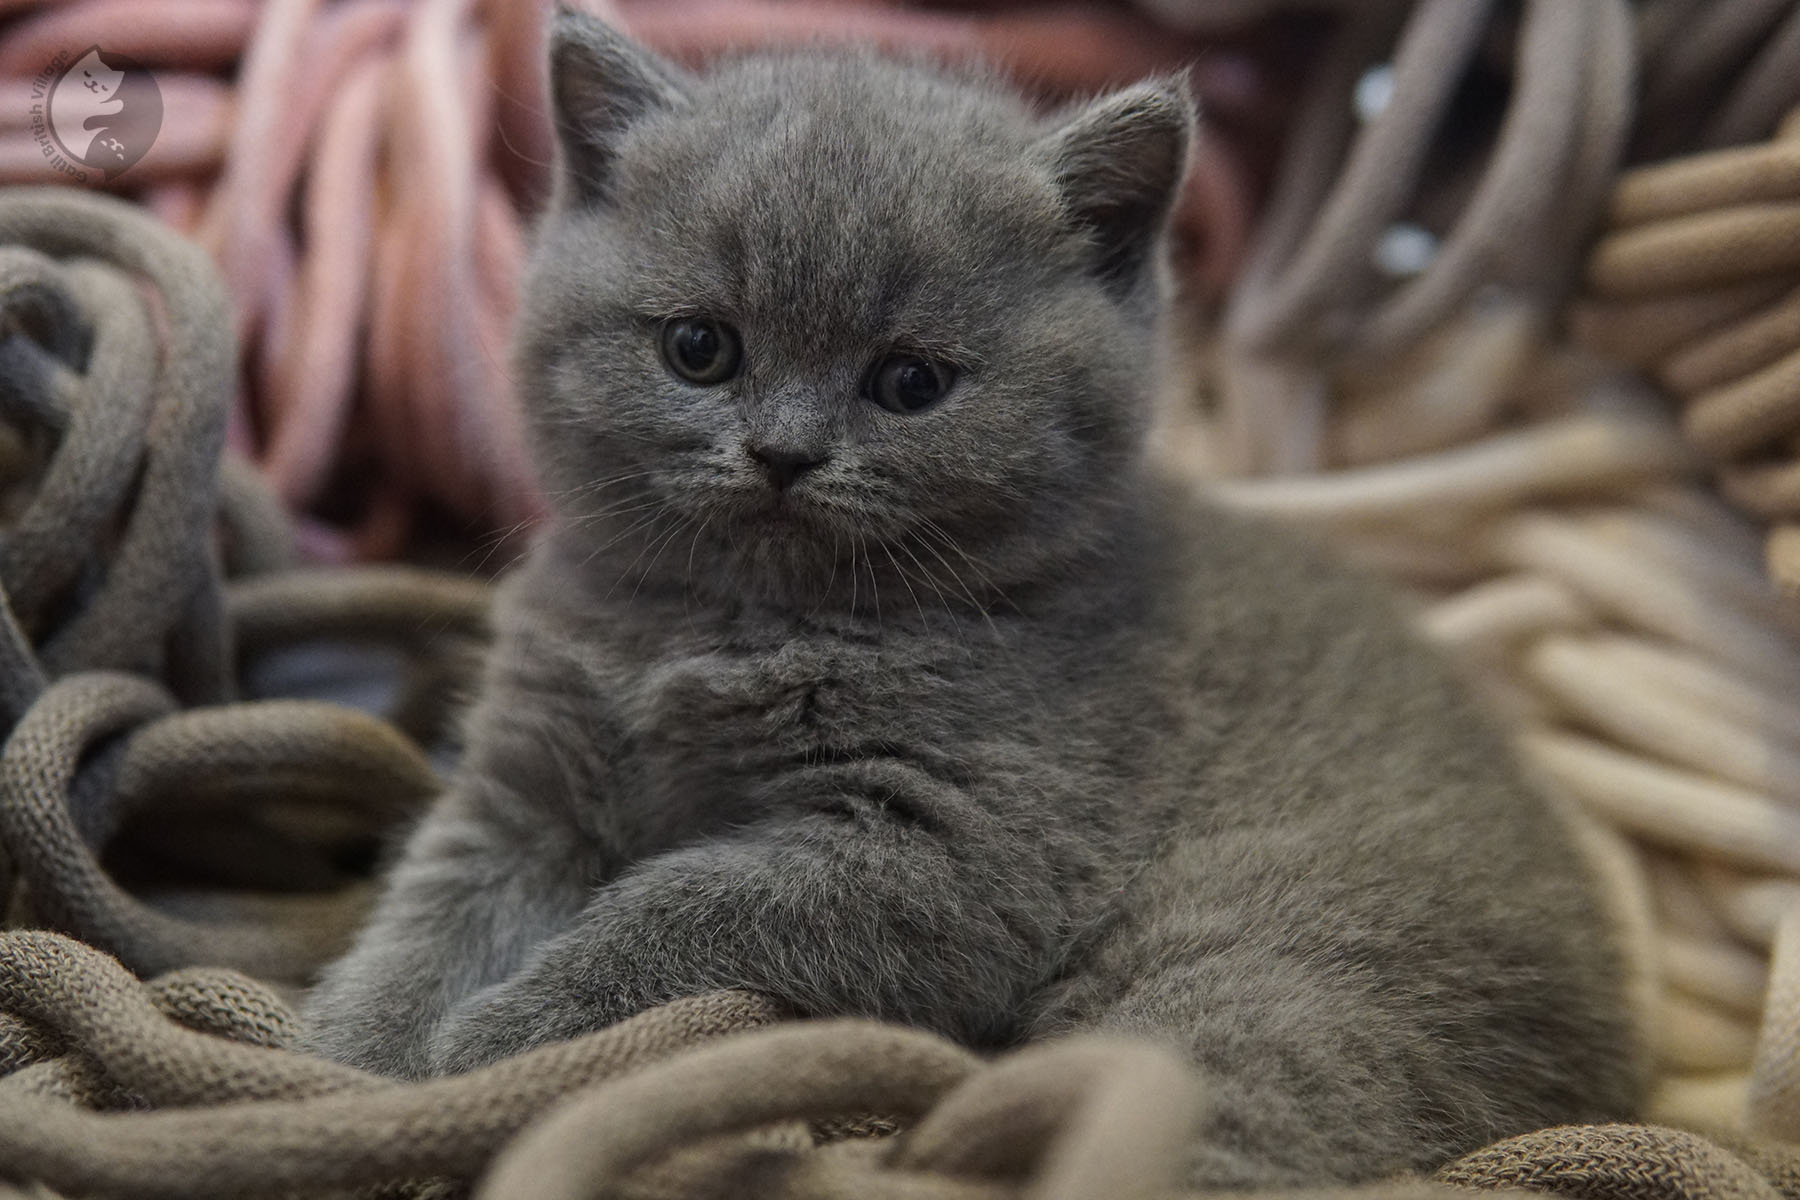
x=978, y=726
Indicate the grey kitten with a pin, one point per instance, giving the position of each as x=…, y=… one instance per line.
x=867, y=664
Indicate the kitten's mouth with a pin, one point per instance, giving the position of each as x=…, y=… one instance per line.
x=781, y=509
x=797, y=512
x=788, y=516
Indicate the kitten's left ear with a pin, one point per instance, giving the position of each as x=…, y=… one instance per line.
x=600, y=82
x=1118, y=163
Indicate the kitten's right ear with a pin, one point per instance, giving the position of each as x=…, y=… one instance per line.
x=600, y=82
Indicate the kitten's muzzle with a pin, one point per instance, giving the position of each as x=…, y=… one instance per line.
x=784, y=464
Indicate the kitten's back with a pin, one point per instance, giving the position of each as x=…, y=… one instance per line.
x=1365, y=927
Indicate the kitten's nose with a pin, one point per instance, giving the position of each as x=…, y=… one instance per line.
x=784, y=464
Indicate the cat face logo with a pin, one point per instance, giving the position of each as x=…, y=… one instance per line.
x=104, y=112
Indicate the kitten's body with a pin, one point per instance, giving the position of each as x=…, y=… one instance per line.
x=1081, y=754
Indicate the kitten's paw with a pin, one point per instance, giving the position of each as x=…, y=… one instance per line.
x=371, y=1054
x=506, y=1020
x=364, y=1036
x=466, y=1043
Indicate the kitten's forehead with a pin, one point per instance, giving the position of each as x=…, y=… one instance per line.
x=839, y=187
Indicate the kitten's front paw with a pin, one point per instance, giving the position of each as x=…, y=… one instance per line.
x=365, y=1032
x=465, y=1043
x=480, y=1032
x=506, y=1020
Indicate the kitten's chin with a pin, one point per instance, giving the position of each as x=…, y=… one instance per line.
x=775, y=566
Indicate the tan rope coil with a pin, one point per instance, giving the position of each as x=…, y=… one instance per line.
x=683, y=1101
x=120, y=363
x=1698, y=281
x=239, y=1116
x=246, y=1114
x=345, y=752
x=1074, y=1119
x=1646, y=1162
x=161, y=579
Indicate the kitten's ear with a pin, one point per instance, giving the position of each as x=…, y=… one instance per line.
x=1118, y=163
x=600, y=82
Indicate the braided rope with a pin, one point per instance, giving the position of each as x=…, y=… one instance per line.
x=164, y=581
x=688, y=1100
x=238, y=1116
x=125, y=385
x=1698, y=280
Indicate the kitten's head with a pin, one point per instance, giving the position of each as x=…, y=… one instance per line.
x=820, y=324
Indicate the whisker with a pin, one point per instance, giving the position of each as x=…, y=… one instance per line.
x=943, y=600
x=829, y=579
x=653, y=539
x=663, y=544
x=938, y=531
x=963, y=587
x=491, y=545
x=619, y=537
x=597, y=485
x=687, y=589
x=855, y=540
x=904, y=580
x=874, y=586
x=625, y=508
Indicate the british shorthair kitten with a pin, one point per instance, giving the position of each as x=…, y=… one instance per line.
x=867, y=663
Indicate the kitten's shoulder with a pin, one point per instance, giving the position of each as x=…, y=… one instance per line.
x=1208, y=555
x=1275, y=616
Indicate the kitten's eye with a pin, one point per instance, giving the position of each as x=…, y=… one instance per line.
x=701, y=350
x=906, y=383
